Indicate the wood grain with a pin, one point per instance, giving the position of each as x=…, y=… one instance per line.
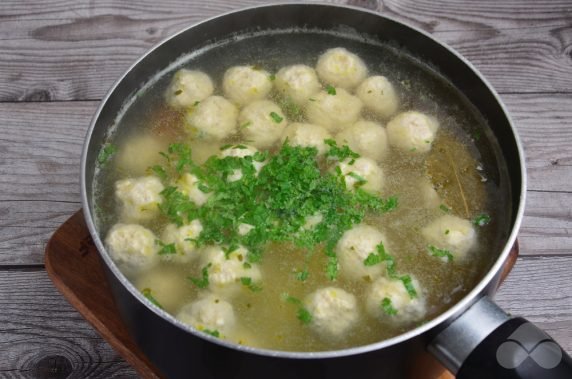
x=67, y=50
x=37, y=321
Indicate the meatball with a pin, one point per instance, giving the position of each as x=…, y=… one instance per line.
x=182, y=238
x=189, y=185
x=334, y=112
x=379, y=96
x=132, y=247
x=211, y=313
x=389, y=301
x=241, y=151
x=366, y=138
x=139, y=198
x=212, y=119
x=452, y=233
x=412, y=131
x=307, y=135
x=166, y=284
x=262, y=122
x=139, y=153
x=245, y=84
x=334, y=312
x=354, y=247
x=187, y=87
x=226, y=270
x=362, y=173
x=298, y=82
x=341, y=68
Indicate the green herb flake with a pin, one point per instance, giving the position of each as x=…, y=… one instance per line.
x=247, y=282
x=196, y=103
x=387, y=307
x=447, y=231
x=159, y=171
x=332, y=268
x=330, y=90
x=105, y=153
x=214, y=333
x=304, y=315
x=444, y=208
x=291, y=299
x=147, y=293
x=245, y=125
x=272, y=77
x=408, y=283
x=360, y=180
x=276, y=117
x=440, y=253
x=203, y=281
x=302, y=275
x=166, y=249
x=339, y=153
x=482, y=219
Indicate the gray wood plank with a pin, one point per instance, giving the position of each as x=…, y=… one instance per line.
x=39, y=326
x=37, y=322
x=40, y=146
x=68, y=50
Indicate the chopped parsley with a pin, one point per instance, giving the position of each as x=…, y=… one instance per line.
x=245, y=125
x=379, y=256
x=214, y=333
x=360, y=180
x=159, y=171
x=272, y=77
x=336, y=152
x=178, y=92
x=444, y=208
x=247, y=282
x=105, y=153
x=304, y=315
x=166, y=249
x=276, y=117
x=302, y=275
x=332, y=267
x=482, y=219
x=408, y=283
x=203, y=281
x=147, y=293
x=331, y=90
x=440, y=253
x=387, y=307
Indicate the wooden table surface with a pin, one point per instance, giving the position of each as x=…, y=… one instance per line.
x=59, y=57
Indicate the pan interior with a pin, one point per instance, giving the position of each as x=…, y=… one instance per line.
x=467, y=147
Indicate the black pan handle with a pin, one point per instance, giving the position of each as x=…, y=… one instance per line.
x=484, y=342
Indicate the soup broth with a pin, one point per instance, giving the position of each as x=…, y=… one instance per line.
x=432, y=226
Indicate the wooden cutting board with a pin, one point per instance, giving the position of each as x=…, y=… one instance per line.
x=74, y=265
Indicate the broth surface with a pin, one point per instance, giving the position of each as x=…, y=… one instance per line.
x=461, y=166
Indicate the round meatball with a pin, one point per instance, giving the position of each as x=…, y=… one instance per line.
x=226, y=270
x=212, y=119
x=166, y=285
x=245, y=84
x=132, y=247
x=139, y=198
x=187, y=87
x=389, y=301
x=451, y=233
x=307, y=135
x=341, y=68
x=262, y=122
x=334, y=312
x=139, y=153
x=241, y=151
x=189, y=185
x=354, y=247
x=412, y=131
x=378, y=95
x=362, y=173
x=334, y=112
x=366, y=138
x=211, y=313
x=298, y=82
x=182, y=238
